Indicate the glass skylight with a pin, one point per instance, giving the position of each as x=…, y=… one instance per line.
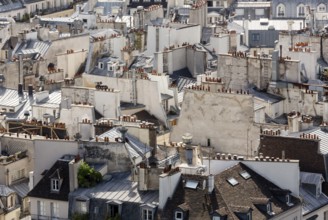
x=191, y=184
x=232, y=181
x=245, y=174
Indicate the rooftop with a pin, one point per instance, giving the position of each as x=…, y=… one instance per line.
x=119, y=188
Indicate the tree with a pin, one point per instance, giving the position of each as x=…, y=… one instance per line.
x=88, y=176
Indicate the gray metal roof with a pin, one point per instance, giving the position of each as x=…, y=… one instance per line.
x=9, y=5
x=184, y=81
x=311, y=202
x=10, y=97
x=323, y=136
x=109, y=6
x=311, y=178
x=5, y=190
x=21, y=188
x=53, y=101
x=119, y=188
x=134, y=146
x=33, y=47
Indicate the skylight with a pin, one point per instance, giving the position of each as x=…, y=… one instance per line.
x=191, y=184
x=232, y=181
x=245, y=174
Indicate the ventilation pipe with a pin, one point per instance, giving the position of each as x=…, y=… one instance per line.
x=210, y=183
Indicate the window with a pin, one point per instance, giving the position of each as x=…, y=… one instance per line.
x=178, y=215
x=300, y=10
x=325, y=215
x=249, y=216
x=54, y=208
x=55, y=184
x=256, y=37
x=281, y=10
x=259, y=11
x=40, y=207
x=17, y=174
x=147, y=214
x=232, y=181
x=321, y=8
x=11, y=200
x=245, y=174
x=113, y=210
x=81, y=206
x=239, y=11
x=100, y=65
x=313, y=217
x=216, y=218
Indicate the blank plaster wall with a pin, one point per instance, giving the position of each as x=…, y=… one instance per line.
x=225, y=119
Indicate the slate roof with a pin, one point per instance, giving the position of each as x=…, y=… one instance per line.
x=244, y=193
x=227, y=199
x=43, y=188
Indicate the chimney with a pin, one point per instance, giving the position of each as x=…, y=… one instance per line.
x=73, y=167
x=294, y=120
x=325, y=111
x=20, y=89
x=275, y=66
x=210, y=183
x=30, y=90
x=31, y=180
x=153, y=139
x=123, y=131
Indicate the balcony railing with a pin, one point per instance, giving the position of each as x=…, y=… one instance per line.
x=43, y=217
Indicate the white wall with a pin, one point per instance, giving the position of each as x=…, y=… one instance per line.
x=144, y=89
x=71, y=62
x=74, y=116
x=172, y=35
x=47, y=152
x=107, y=103
x=226, y=119
x=167, y=186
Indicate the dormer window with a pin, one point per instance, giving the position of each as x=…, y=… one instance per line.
x=101, y=65
x=269, y=209
x=147, y=211
x=114, y=209
x=55, y=184
x=178, y=215
x=288, y=200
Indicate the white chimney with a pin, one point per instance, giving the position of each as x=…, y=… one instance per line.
x=210, y=183
x=325, y=111
x=31, y=180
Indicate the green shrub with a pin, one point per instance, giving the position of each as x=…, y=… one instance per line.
x=88, y=176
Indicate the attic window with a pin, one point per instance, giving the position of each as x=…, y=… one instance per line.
x=232, y=181
x=178, y=215
x=55, y=185
x=269, y=209
x=245, y=174
x=191, y=184
x=288, y=200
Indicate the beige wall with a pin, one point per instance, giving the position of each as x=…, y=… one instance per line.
x=71, y=62
x=226, y=119
x=12, y=169
x=63, y=207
